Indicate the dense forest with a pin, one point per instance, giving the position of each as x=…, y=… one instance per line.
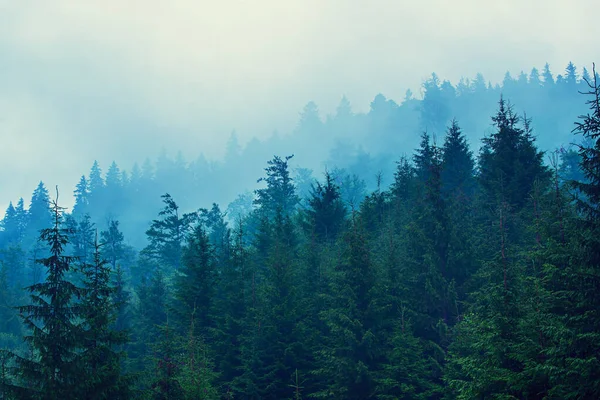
x=448, y=249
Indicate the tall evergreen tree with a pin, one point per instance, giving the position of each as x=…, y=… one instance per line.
x=509, y=162
x=39, y=216
x=113, y=244
x=347, y=360
x=100, y=361
x=82, y=197
x=326, y=211
x=280, y=193
x=195, y=283
x=53, y=371
x=576, y=364
x=167, y=235
x=458, y=164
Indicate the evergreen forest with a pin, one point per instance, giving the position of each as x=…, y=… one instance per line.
x=448, y=249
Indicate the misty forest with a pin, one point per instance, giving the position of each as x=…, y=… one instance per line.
x=442, y=246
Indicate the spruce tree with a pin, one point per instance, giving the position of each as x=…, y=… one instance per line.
x=82, y=197
x=326, y=211
x=575, y=362
x=346, y=363
x=39, y=216
x=113, y=244
x=195, y=283
x=167, y=234
x=100, y=360
x=54, y=336
x=457, y=164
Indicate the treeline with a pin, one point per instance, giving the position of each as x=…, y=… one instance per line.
x=356, y=147
x=470, y=276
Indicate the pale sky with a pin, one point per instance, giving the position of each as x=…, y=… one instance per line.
x=114, y=79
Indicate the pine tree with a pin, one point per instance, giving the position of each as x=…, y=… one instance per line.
x=195, y=282
x=114, y=197
x=280, y=193
x=96, y=189
x=150, y=313
x=82, y=197
x=571, y=75
x=458, y=164
x=113, y=244
x=219, y=234
x=165, y=384
x=422, y=158
x=575, y=362
x=434, y=107
x=548, y=78
x=509, y=162
x=230, y=312
x=166, y=235
x=406, y=374
x=347, y=360
x=39, y=216
x=11, y=231
x=326, y=211
x=99, y=360
x=96, y=182
x=53, y=371
x=82, y=238
x=197, y=376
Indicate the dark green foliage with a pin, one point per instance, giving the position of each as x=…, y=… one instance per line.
x=280, y=193
x=100, y=362
x=450, y=281
x=575, y=361
x=325, y=212
x=589, y=153
x=457, y=164
x=197, y=376
x=38, y=215
x=166, y=235
x=113, y=246
x=54, y=337
x=195, y=282
x=230, y=311
x=347, y=362
x=509, y=162
x=407, y=373
x=165, y=385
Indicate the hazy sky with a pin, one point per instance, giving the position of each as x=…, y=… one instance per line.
x=114, y=79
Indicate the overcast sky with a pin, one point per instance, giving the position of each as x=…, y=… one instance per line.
x=114, y=79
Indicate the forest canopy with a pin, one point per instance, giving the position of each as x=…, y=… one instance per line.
x=448, y=249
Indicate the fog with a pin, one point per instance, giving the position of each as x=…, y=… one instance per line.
x=112, y=80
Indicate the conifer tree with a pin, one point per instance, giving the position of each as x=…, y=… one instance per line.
x=457, y=164
x=230, y=314
x=165, y=384
x=280, y=193
x=575, y=362
x=326, y=211
x=82, y=197
x=195, y=283
x=113, y=244
x=167, y=235
x=510, y=162
x=53, y=371
x=38, y=215
x=347, y=360
x=100, y=359
x=197, y=376
x=10, y=229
